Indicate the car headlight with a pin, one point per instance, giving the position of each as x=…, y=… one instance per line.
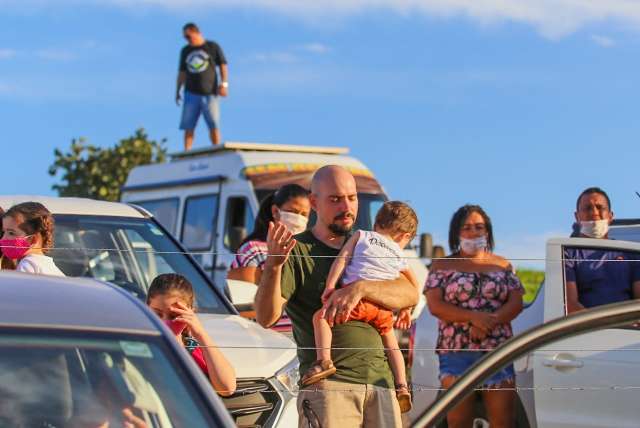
x=289, y=376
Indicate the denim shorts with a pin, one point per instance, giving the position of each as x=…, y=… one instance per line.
x=456, y=363
x=194, y=105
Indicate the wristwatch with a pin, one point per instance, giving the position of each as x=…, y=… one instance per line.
x=224, y=84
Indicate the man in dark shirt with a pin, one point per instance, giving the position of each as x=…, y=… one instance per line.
x=197, y=72
x=360, y=393
x=596, y=276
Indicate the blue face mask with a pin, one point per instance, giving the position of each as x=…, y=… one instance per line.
x=473, y=246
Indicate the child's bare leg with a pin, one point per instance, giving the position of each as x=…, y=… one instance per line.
x=396, y=360
x=323, y=337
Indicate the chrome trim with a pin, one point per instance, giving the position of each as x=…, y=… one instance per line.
x=607, y=316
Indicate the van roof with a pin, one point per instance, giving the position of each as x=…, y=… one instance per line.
x=238, y=160
x=79, y=206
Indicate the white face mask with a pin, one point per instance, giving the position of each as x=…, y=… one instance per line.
x=473, y=246
x=594, y=229
x=296, y=223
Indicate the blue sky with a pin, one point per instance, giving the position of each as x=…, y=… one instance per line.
x=514, y=105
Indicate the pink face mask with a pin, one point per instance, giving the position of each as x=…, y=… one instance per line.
x=176, y=326
x=15, y=248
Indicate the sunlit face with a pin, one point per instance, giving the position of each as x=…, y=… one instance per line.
x=473, y=227
x=162, y=305
x=593, y=207
x=336, y=203
x=11, y=227
x=299, y=205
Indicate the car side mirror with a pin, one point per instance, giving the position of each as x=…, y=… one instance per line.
x=426, y=246
x=236, y=236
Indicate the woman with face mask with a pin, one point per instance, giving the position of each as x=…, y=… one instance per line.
x=475, y=295
x=290, y=206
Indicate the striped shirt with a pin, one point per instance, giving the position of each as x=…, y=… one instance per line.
x=250, y=254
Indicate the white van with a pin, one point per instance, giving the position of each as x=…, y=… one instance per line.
x=208, y=198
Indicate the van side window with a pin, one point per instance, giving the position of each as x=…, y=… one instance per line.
x=198, y=225
x=164, y=210
x=239, y=222
x=599, y=276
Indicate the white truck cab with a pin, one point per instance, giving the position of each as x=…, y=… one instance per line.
x=208, y=198
x=582, y=381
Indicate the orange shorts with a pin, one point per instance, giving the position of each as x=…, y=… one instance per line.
x=378, y=317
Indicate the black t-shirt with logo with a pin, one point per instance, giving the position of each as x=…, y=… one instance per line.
x=199, y=62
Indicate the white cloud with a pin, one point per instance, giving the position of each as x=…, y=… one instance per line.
x=604, y=41
x=55, y=54
x=552, y=18
x=275, y=57
x=7, y=53
x=316, y=48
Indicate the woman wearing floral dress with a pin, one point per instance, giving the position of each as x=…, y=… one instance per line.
x=475, y=295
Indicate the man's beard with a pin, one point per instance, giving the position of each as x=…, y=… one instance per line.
x=340, y=230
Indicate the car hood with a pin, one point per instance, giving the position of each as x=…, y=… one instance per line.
x=252, y=350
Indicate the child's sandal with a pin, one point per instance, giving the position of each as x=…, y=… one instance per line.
x=404, y=397
x=319, y=370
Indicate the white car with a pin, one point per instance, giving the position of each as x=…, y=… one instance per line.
x=126, y=246
x=594, y=359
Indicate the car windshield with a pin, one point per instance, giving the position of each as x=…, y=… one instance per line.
x=127, y=252
x=82, y=381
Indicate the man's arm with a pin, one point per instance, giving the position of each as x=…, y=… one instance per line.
x=393, y=294
x=268, y=301
x=223, y=89
x=573, y=304
x=636, y=290
x=182, y=77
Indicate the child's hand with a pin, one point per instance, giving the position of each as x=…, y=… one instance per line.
x=403, y=321
x=186, y=315
x=476, y=334
x=325, y=295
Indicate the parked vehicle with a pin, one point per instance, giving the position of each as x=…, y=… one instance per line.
x=549, y=304
x=80, y=353
x=208, y=198
x=126, y=246
x=576, y=385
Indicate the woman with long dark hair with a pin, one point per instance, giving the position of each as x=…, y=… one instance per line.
x=475, y=295
x=288, y=205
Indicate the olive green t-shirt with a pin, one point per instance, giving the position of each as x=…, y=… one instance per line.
x=303, y=278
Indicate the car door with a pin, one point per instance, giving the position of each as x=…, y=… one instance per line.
x=591, y=380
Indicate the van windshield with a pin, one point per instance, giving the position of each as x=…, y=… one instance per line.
x=127, y=252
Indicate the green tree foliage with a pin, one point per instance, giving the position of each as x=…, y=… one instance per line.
x=99, y=173
x=531, y=280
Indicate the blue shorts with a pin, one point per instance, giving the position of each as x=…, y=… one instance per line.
x=456, y=363
x=194, y=105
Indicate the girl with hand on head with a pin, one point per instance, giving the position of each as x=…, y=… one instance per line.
x=289, y=206
x=27, y=236
x=171, y=297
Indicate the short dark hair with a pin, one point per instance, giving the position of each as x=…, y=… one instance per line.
x=457, y=221
x=591, y=190
x=168, y=283
x=191, y=27
x=397, y=217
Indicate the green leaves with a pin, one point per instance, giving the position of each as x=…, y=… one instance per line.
x=99, y=173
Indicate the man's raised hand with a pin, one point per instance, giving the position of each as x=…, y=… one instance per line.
x=280, y=242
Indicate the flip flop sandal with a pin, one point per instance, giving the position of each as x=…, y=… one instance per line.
x=325, y=367
x=404, y=398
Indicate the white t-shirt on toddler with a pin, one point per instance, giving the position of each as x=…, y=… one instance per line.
x=39, y=264
x=375, y=258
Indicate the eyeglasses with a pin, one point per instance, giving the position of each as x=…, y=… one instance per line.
x=477, y=227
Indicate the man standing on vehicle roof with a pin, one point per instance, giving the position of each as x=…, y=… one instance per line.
x=360, y=393
x=598, y=276
x=197, y=72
